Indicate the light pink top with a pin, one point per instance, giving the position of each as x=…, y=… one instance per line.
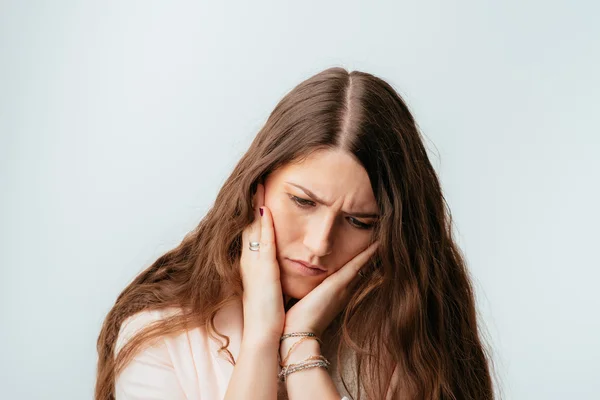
x=188, y=365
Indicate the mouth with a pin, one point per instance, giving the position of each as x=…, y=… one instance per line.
x=309, y=265
x=306, y=269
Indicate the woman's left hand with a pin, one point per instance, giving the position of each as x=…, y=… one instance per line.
x=315, y=311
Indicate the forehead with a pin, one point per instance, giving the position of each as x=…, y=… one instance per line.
x=332, y=175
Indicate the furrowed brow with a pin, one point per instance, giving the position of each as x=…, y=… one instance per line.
x=321, y=201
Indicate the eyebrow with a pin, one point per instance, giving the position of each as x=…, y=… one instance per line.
x=319, y=200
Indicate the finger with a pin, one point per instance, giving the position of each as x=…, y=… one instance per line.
x=258, y=202
x=252, y=232
x=267, y=234
x=259, y=199
x=349, y=271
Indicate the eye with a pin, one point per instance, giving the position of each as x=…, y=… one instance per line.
x=305, y=203
x=360, y=225
x=302, y=203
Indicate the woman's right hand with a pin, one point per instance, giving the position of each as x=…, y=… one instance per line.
x=264, y=314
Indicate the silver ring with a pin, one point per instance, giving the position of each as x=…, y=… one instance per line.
x=254, y=246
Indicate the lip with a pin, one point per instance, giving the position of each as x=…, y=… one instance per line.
x=307, y=269
x=309, y=265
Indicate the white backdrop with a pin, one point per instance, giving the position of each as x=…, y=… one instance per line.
x=119, y=121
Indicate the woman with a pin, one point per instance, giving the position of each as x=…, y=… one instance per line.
x=325, y=268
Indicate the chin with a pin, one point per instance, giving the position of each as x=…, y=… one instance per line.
x=296, y=287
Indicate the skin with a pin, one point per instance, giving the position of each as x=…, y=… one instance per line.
x=328, y=234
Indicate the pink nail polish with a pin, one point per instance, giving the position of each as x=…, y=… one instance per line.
x=261, y=211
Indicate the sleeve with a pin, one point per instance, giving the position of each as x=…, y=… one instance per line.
x=149, y=375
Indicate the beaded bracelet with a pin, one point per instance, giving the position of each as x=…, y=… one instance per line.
x=300, y=334
x=310, y=362
x=282, y=363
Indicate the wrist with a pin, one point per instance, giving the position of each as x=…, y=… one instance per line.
x=260, y=342
x=289, y=329
x=301, y=351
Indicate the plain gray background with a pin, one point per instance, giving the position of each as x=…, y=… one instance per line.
x=120, y=120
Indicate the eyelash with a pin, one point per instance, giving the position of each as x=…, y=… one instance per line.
x=304, y=203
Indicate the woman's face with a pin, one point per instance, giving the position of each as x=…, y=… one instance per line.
x=323, y=211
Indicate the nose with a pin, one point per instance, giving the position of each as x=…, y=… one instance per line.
x=318, y=237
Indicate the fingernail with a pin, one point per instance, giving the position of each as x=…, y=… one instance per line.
x=261, y=211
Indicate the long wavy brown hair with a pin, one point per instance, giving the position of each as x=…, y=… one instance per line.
x=414, y=313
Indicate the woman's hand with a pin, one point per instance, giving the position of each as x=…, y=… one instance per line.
x=264, y=314
x=315, y=311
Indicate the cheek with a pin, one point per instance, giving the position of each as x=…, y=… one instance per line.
x=285, y=222
x=348, y=245
x=356, y=241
